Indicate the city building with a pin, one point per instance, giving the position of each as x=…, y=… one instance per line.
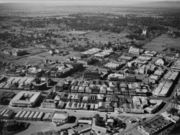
x=25, y=99
x=155, y=126
x=60, y=118
x=176, y=65
x=133, y=50
x=163, y=88
x=104, y=53
x=85, y=120
x=91, y=51
x=116, y=77
x=91, y=75
x=113, y=66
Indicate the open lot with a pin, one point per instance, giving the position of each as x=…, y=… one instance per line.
x=162, y=42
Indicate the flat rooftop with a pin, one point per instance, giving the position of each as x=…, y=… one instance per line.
x=26, y=96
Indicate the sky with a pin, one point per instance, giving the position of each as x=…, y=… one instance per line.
x=84, y=2
x=80, y=1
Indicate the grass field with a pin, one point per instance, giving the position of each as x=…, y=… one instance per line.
x=162, y=42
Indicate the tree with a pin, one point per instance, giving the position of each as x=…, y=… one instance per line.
x=99, y=120
x=76, y=133
x=173, y=111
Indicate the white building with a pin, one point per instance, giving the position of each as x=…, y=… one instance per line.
x=112, y=65
x=134, y=50
x=25, y=99
x=60, y=118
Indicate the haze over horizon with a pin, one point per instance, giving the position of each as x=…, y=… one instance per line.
x=54, y=7
x=87, y=2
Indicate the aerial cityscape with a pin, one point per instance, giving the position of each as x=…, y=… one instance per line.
x=89, y=67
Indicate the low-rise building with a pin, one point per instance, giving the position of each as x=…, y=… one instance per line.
x=116, y=77
x=104, y=53
x=155, y=126
x=155, y=105
x=171, y=75
x=113, y=66
x=91, y=51
x=25, y=99
x=90, y=75
x=126, y=57
x=48, y=103
x=176, y=65
x=85, y=121
x=170, y=117
x=163, y=88
x=60, y=118
x=134, y=50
